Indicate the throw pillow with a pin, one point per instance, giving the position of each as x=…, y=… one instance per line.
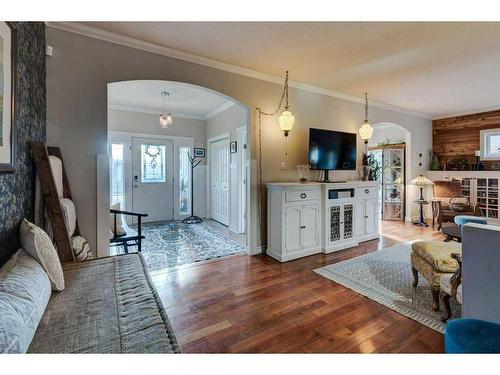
x=69, y=214
x=120, y=231
x=24, y=293
x=81, y=248
x=38, y=244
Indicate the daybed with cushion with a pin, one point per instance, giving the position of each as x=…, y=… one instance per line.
x=108, y=306
x=50, y=302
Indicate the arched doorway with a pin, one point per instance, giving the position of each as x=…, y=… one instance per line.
x=206, y=124
x=390, y=146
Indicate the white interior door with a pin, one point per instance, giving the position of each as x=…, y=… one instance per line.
x=219, y=179
x=153, y=178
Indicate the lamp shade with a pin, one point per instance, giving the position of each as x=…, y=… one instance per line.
x=166, y=120
x=286, y=121
x=366, y=131
x=421, y=181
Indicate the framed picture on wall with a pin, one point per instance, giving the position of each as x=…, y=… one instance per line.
x=199, y=152
x=233, y=147
x=7, y=95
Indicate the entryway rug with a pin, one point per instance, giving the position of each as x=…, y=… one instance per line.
x=385, y=277
x=173, y=243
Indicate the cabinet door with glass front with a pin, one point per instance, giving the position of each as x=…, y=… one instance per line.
x=341, y=219
x=393, y=183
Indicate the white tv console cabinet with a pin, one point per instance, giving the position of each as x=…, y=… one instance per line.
x=309, y=218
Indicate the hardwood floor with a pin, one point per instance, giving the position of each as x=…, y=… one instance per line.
x=255, y=304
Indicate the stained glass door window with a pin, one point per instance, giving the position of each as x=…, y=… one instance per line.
x=153, y=163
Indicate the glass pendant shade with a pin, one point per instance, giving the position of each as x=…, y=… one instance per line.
x=166, y=120
x=421, y=181
x=286, y=121
x=366, y=132
x=165, y=117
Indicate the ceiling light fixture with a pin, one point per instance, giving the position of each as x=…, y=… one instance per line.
x=166, y=117
x=366, y=131
x=286, y=119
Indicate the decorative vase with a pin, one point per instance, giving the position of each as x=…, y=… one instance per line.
x=365, y=172
x=304, y=170
x=435, y=163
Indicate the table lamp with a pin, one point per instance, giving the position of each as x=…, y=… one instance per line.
x=421, y=182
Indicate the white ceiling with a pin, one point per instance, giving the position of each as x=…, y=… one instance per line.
x=433, y=68
x=185, y=100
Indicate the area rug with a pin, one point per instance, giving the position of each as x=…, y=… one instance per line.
x=173, y=244
x=385, y=277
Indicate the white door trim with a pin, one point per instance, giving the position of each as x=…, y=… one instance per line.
x=219, y=137
x=210, y=140
x=241, y=139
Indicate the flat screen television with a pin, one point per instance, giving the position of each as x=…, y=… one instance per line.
x=332, y=150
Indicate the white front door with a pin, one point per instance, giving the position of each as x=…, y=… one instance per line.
x=219, y=179
x=153, y=178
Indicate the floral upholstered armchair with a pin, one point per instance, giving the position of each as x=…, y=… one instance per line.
x=451, y=286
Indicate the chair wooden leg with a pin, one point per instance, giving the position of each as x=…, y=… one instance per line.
x=125, y=247
x=435, y=299
x=445, y=300
x=415, y=277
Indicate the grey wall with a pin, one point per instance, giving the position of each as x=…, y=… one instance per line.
x=81, y=68
x=136, y=122
x=227, y=121
x=394, y=134
x=17, y=189
x=481, y=272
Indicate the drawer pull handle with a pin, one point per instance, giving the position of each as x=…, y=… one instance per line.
x=367, y=191
x=303, y=195
x=303, y=227
x=366, y=217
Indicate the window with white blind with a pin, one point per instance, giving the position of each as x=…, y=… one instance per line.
x=490, y=144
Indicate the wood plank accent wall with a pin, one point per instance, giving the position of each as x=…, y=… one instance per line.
x=459, y=136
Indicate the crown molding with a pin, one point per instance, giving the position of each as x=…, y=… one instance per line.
x=219, y=109
x=469, y=112
x=91, y=32
x=129, y=108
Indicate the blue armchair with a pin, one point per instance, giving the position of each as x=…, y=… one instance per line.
x=472, y=336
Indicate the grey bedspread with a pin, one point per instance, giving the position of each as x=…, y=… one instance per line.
x=108, y=306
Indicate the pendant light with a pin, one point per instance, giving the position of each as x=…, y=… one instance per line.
x=286, y=119
x=166, y=117
x=366, y=131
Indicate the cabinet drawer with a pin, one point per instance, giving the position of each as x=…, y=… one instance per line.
x=301, y=195
x=367, y=192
